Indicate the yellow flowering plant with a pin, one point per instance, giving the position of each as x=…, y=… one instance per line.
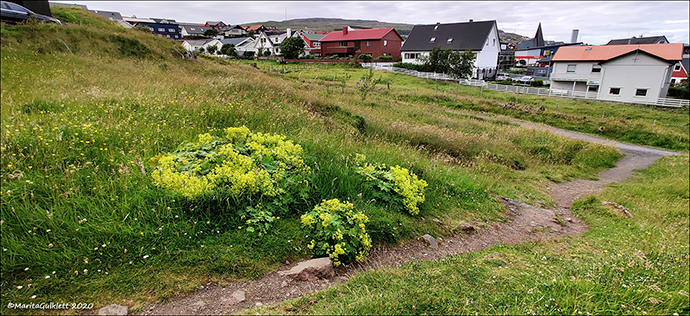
x=337, y=231
x=237, y=164
x=392, y=184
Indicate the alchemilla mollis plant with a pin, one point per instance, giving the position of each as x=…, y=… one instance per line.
x=240, y=163
x=337, y=231
x=393, y=184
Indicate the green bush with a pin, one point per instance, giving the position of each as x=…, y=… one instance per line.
x=384, y=58
x=394, y=185
x=365, y=57
x=537, y=83
x=310, y=56
x=130, y=47
x=337, y=231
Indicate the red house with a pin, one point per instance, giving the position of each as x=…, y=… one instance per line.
x=349, y=43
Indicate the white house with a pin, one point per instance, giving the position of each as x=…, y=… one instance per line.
x=267, y=41
x=195, y=45
x=481, y=37
x=626, y=73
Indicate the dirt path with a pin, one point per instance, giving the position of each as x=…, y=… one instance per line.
x=525, y=223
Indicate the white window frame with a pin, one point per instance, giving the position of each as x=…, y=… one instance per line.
x=611, y=91
x=368, y=43
x=676, y=68
x=385, y=43
x=637, y=90
x=569, y=69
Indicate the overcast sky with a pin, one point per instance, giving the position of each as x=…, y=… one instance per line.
x=598, y=21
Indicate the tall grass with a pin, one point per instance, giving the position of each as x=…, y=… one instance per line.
x=637, y=265
x=82, y=219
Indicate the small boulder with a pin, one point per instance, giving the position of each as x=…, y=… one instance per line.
x=310, y=270
x=238, y=295
x=433, y=243
x=618, y=208
x=113, y=309
x=467, y=228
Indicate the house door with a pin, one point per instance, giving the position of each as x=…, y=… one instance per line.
x=357, y=46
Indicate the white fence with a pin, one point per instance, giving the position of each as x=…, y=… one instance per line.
x=665, y=102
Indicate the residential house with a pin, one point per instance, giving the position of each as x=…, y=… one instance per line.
x=268, y=41
x=162, y=27
x=537, y=41
x=192, y=30
x=218, y=25
x=234, y=31
x=639, y=40
x=312, y=42
x=351, y=42
x=237, y=41
x=480, y=37
x=680, y=70
x=261, y=28
x=197, y=44
x=626, y=73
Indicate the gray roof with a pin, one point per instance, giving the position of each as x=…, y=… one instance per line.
x=235, y=41
x=686, y=63
x=197, y=29
x=313, y=36
x=469, y=35
x=639, y=40
x=109, y=14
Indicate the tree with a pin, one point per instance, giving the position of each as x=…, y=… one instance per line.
x=267, y=53
x=212, y=49
x=228, y=49
x=292, y=47
x=250, y=34
x=367, y=84
x=459, y=65
x=201, y=49
x=211, y=32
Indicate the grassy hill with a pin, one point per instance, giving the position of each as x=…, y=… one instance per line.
x=90, y=109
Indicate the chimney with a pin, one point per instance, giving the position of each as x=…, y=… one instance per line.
x=345, y=30
x=573, y=37
x=471, y=20
x=289, y=32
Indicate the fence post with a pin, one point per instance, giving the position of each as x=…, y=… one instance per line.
x=481, y=92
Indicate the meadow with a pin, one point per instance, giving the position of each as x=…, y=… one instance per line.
x=86, y=106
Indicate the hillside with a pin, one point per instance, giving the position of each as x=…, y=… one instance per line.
x=331, y=24
x=131, y=176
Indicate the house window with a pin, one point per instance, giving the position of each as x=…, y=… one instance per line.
x=191, y=28
x=167, y=35
x=150, y=28
x=596, y=68
x=343, y=43
x=593, y=88
x=494, y=44
x=571, y=68
x=171, y=30
x=433, y=39
x=435, y=27
x=384, y=54
x=676, y=68
x=615, y=91
x=160, y=29
x=450, y=40
x=368, y=43
x=317, y=44
x=385, y=43
x=641, y=92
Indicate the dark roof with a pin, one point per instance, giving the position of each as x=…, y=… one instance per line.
x=686, y=64
x=537, y=41
x=234, y=41
x=469, y=35
x=639, y=40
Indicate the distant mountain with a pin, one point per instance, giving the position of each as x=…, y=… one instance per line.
x=332, y=24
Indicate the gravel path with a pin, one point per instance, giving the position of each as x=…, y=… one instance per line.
x=525, y=223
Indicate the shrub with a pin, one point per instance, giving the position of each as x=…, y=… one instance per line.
x=365, y=57
x=248, y=54
x=239, y=164
x=131, y=47
x=338, y=232
x=384, y=58
x=394, y=184
x=537, y=83
x=310, y=56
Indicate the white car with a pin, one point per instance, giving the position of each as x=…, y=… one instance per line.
x=501, y=77
x=524, y=79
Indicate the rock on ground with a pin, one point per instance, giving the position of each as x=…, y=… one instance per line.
x=433, y=243
x=310, y=270
x=113, y=309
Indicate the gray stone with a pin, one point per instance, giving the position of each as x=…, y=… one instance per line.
x=618, y=208
x=239, y=296
x=310, y=270
x=259, y=304
x=433, y=243
x=436, y=220
x=113, y=309
x=199, y=304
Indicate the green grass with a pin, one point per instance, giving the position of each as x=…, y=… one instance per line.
x=638, y=265
x=78, y=204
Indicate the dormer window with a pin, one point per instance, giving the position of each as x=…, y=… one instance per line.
x=433, y=39
x=436, y=27
x=450, y=40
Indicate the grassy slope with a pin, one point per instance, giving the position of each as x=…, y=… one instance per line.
x=636, y=265
x=77, y=129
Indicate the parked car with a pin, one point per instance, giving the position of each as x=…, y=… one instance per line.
x=524, y=79
x=13, y=13
x=501, y=77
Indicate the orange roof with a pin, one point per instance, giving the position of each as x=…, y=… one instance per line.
x=605, y=52
x=254, y=27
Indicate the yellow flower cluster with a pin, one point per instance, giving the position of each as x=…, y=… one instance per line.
x=214, y=165
x=340, y=233
x=409, y=187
